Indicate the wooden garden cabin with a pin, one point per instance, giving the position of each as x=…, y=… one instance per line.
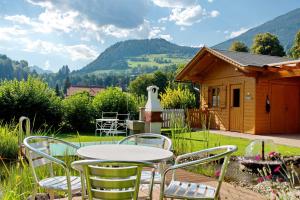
x=246, y=92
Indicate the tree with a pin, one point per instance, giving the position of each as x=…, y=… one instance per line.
x=295, y=50
x=267, y=44
x=179, y=97
x=139, y=85
x=32, y=98
x=67, y=84
x=239, y=47
x=57, y=91
x=114, y=100
x=78, y=112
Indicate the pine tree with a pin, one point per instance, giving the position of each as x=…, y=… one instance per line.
x=67, y=84
x=57, y=91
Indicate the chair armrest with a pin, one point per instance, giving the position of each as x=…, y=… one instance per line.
x=230, y=149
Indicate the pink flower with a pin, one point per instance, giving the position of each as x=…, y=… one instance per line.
x=217, y=173
x=260, y=179
x=280, y=179
x=273, y=153
x=269, y=177
x=277, y=169
x=257, y=157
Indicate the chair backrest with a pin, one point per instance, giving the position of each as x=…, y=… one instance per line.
x=148, y=139
x=206, y=156
x=111, y=179
x=38, y=153
x=123, y=117
x=109, y=115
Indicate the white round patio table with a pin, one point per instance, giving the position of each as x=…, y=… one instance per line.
x=122, y=152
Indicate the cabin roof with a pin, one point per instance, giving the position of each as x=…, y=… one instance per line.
x=243, y=61
x=250, y=59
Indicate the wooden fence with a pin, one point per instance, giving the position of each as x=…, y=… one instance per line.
x=194, y=117
x=190, y=116
x=169, y=114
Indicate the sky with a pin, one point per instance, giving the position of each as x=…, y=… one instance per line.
x=53, y=33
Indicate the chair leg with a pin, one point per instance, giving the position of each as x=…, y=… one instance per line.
x=51, y=194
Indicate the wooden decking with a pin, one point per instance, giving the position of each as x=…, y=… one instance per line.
x=228, y=191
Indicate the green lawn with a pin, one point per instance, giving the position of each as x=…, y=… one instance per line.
x=241, y=143
x=86, y=137
x=214, y=140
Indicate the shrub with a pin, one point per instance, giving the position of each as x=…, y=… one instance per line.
x=114, y=100
x=179, y=97
x=8, y=141
x=78, y=111
x=32, y=98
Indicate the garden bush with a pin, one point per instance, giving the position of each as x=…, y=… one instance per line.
x=114, y=100
x=32, y=98
x=179, y=97
x=78, y=112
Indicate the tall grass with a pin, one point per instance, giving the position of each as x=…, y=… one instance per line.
x=8, y=141
x=183, y=137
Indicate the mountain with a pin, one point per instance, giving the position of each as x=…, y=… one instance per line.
x=285, y=27
x=116, y=57
x=39, y=70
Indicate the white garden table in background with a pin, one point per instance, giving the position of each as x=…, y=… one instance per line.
x=119, y=152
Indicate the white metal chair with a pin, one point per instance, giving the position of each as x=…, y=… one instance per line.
x=122, y=123
x=111, y=179
x=187, y=190
x=152, y=140
x=38, y=153
x=107, y=124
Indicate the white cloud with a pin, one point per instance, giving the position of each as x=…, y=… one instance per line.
x=75, y=52
x=166, y=37
x=10, y=33
x=20, y=19
x=197, y=46
x=214, y=13
x=210, y=1
x=234, y=34
x=184, y=12
x=47, y=65
x=174, y=3
x=187, y=16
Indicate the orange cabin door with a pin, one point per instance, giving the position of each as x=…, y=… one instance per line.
x=284, y=108
x=292, y=109
x=236, y=108
x=277, y=109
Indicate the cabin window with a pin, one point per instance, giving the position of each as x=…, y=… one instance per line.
x=214, y=100
x=236, y=97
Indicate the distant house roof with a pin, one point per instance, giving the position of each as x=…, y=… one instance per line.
x=241, y=60
x=92, y=90
x=250, y=59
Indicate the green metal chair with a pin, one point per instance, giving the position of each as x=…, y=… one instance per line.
x=188, y=190
x=111, y=180
x=38, y=153
x=152, y=140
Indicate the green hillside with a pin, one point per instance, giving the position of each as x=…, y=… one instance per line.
x=285, y=27
x=133, y=53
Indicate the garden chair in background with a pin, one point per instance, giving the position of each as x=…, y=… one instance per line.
x=111, y=179
x=107, y=124
x=38, y=153
x=187, y=190
x=152, y=140
x=122, y=123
